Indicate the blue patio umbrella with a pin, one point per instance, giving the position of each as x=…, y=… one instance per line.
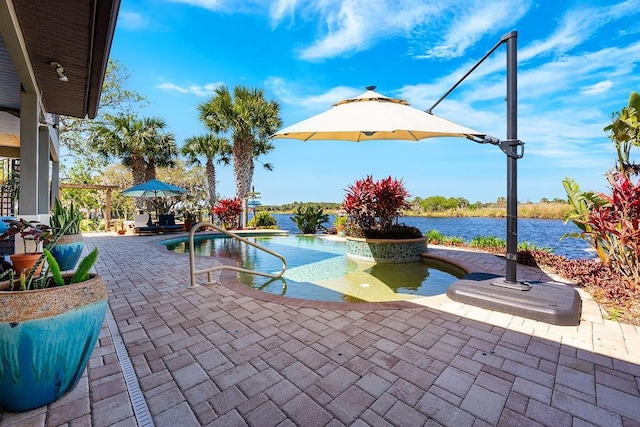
x=154, y=188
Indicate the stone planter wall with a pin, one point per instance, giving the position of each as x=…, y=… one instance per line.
x=386, y=250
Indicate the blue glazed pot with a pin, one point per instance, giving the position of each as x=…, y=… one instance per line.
x=67, y=251
x=46, y=339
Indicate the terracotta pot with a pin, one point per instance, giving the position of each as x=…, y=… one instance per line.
x=67, y=250
x=25, y=262
x=46, y=339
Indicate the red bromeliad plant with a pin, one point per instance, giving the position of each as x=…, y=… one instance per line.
x=228, y=211
x=616, y=226
x=374, y=208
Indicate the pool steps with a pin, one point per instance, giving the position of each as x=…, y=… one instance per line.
x=209, y=271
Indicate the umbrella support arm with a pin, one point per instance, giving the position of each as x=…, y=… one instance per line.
x=513, y=148
x=504, y=39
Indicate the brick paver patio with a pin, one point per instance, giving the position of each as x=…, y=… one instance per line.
x=231, y=356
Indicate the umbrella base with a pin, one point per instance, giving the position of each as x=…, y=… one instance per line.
x=552, y=303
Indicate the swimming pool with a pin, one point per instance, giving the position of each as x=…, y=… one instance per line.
x=318, y=269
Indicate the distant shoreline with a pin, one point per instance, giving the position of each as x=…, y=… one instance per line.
x=525, y=210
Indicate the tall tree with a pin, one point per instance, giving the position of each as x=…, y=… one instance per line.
x=250, y=119
x=142, y=145
x=213, y=149
x=191, y=178
x=115, y=99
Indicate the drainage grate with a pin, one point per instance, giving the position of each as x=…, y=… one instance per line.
x=140, y=408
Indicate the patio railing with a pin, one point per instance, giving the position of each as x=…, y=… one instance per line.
x=209, y=271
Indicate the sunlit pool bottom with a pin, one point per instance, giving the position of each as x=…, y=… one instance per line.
x=318, y=269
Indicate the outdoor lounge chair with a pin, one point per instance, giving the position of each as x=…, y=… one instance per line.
x=167, y=223
x=142, y=224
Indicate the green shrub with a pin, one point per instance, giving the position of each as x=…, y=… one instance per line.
x=435, y=237
x=309, y=219
x=263, y=220
x=91, y=225
x=398, y=231
x=487, y=242
x=526, y=246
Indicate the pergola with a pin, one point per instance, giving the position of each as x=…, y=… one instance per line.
x=107, y=188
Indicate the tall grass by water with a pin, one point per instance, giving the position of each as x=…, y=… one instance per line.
x=525, y=210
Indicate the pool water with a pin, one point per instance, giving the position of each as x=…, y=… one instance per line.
x=318, y=269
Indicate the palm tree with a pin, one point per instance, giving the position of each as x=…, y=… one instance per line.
x=142, y=145
x=214, y=149
x=250, y=119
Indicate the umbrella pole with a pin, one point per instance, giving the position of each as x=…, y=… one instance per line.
x=513, y=148
x=512, y=160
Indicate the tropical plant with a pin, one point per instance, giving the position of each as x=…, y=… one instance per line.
x=581, y=204
x=263, y=220
x=228, y=211
x=35, y=277
x=610, y=222
x=624, y=131
x=250, y=119
x=375, y=206
x=141, y=144
x=339, y=222
x=213, y=149
x=309, y=218
x=615, y=225
x=29, y=231
x=80, y=275
x=65, y=218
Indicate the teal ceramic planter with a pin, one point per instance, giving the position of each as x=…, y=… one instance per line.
x=67, y=251
x=46, y=339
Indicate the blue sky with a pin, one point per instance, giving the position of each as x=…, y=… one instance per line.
x=577, y=63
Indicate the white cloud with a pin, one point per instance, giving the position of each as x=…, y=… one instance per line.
x=228, y=6
x=473, y=23
x=171, y=86
x=201, y=91
x=282, y=8
x=450, y=27
x=311, y=103
x=599, y=87
x=131, y=20
x=212, y=5
x=355, y=25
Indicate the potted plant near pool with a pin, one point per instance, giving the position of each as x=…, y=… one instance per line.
x=49, y=325
x=33, y=234
x=373, y=233
x=69, y=246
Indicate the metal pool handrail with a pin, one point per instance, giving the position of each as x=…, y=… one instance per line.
x=192, y=259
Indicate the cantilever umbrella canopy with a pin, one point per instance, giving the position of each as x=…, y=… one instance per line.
x=154, y=188
x=372, y=116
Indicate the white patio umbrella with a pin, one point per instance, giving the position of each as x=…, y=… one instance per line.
x=372, y=116
x=154, y=188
